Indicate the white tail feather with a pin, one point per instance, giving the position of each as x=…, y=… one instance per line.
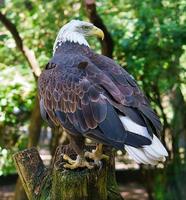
x=149, y=154
x=139, y=155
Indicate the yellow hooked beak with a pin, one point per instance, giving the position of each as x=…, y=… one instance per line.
x=98, y=32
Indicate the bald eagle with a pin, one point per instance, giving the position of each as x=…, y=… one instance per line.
x=91, y=96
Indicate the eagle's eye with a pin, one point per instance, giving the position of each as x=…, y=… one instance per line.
x=84, y=27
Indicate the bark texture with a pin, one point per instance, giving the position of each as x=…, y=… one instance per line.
x=58, y=183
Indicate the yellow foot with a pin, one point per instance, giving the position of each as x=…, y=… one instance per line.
x=78, y=163
x=96, y=155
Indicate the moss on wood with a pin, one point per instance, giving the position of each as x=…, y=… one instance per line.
x=58, y=183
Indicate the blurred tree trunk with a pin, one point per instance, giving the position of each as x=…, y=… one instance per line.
x=176, y=171
x=35, y=124
x=178, y=122
x=57, y=134
x=107, y=45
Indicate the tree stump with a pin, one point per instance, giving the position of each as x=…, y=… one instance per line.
x=58, y=183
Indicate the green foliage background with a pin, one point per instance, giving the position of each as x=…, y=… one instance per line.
x=149, y=41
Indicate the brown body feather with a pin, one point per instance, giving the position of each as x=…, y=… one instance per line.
x=78, y=86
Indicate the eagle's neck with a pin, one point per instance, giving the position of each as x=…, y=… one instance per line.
x=72, y=48
x=69, y=37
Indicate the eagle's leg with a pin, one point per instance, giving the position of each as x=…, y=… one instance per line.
x=77, y=143
x=97, y=154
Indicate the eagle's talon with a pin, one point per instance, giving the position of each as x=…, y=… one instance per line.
x=67, y=158
x=96, y=155
x=80, y=162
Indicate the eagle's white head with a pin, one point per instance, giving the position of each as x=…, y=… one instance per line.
x=76, y=31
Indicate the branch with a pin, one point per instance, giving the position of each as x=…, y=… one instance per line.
x=31, y=170
x=27, y=53
x=107, y=44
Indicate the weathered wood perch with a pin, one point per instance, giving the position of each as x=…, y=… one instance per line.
x=57, y=183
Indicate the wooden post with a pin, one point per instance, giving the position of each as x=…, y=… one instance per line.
x=58, y=183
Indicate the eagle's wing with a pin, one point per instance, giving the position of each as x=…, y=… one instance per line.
x=81, y=98
x=133, y=109
x=131, y=100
